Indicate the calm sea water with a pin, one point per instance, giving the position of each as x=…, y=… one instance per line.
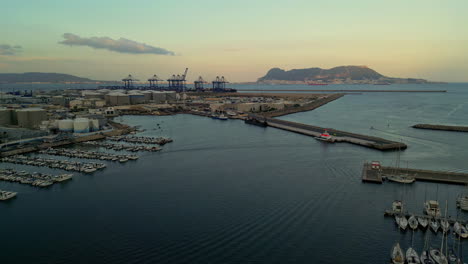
x=227, y=192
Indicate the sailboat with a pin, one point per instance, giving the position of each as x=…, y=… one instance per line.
x=425, y=255
x=452, y=257
x=434, y=225
x=403, y=222
x=423, y=222
x=412, y=256
x=445, y=225
x=400, y=177
x=413, y=222
x=397, y=254
x=438, y=256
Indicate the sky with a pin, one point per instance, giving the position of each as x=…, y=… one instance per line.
x=241, y=40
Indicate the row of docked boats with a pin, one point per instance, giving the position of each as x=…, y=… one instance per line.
x=34, y=179
x=428, y=256
x=433, y=220
x=143, y=140
x=6, y=195
x=118, y=147
x=73, y=153
x=86, y=167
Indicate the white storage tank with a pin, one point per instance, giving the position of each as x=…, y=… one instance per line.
x=65, y=125
x=81, y=125
x=147, y=95
x=159, y=97
x=5, y=117
x=93, y=124
x=170, y=95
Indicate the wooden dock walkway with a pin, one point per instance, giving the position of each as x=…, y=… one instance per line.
x=338, y=135
x=375, y=175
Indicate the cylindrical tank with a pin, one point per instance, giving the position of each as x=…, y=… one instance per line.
x=93, y=124
x=170, y=95
x=159, y=97
x=81, y=125
x=65, y=125
x=147, y=95
x=5, y=117
x=137, y=98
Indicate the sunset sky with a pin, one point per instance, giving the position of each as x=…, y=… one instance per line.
x=241, y=39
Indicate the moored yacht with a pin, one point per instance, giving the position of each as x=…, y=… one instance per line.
x=401, y=178
x=460, y=230
x=434, y=225
x=425, y=257
x=397, y=254
x=423, y=222
x=4, y=195
x=397, y=207
x=438, y=256
x=412, y=256
x=462, y=202
x=413, y=222
x=431, y=208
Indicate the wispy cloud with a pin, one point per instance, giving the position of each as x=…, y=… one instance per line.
x=121, y=45
x=9, y=50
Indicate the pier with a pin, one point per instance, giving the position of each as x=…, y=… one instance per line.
x=338, y=135
x=376, y=175
x=345, y=91
x=442, y=127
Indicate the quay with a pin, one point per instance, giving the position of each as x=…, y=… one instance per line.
x=339, y=136
x=442, y=127
x=346, y=91
x=407, y=215
x=375, y=175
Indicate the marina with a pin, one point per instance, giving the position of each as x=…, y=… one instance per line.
x=86, y=167
x=144, y=140
x=73, y=153
x=33, y=179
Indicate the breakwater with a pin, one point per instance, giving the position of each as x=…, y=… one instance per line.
x=338, y=135
x=442, y=127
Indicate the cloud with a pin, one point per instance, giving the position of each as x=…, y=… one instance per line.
x=121, y=45
x=9, y=50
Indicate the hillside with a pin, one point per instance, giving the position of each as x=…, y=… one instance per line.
x=340, y=74
x=28, y=77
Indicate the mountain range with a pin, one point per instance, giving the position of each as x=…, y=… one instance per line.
x=43, y=77
x=336, y=75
